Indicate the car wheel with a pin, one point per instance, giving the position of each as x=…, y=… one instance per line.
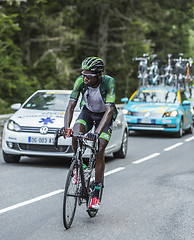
x=190, y=130
x=9, y=158
x=123, y=150
x=179, y=134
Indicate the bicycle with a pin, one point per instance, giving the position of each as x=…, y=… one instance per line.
x=189, y=76
x=153, y=75
x=79, y=186
x=179, y=70
x=142, y=69
x=169, y=74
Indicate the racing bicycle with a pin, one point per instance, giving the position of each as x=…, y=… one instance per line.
x=179, y=71
x=80, y=183
x=189, y=76
x=142, y=69
x=153, y=73
x=169, y=74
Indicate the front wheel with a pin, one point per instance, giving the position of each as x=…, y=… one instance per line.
x=123, y=150
x=190, y=130
x=70, y=195
x=179, y=134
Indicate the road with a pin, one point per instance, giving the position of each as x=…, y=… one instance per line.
x=148, y=195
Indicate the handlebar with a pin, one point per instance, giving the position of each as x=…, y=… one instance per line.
x=58, y=134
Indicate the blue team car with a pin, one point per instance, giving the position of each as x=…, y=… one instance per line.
x=159, y=108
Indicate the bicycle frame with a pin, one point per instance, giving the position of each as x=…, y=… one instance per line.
x=154, y=73
x=79, y=184
x=82, y=145
x=169, y=72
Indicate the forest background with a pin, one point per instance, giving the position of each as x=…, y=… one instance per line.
x=43, y=42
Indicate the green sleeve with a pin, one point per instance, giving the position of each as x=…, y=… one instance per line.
x=111, y=90
x=77, y=88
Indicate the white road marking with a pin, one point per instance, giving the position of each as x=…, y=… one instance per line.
x=49, y=194
x=173, y=146
x=189, y=139
x=114, y=171
x=31, y=201
x=147, y=158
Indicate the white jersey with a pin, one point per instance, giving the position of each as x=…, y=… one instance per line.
x=93, y=100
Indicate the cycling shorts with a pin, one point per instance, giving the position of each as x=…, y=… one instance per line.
x=90, y=119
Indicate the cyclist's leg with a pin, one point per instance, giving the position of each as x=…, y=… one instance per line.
x=78, y=128
x=100, y=159
x=82, y=125
x=100, y=162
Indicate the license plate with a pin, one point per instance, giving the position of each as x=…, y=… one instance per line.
x=40, y=140
x=145, y=121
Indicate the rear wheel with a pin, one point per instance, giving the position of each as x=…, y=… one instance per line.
x=10, y=158
x=123, y=150
x=70, y=195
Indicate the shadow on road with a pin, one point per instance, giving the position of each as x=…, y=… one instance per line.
x=149, y=134
x=43, y=162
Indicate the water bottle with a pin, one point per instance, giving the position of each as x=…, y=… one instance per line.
x=84, y=166
x=85, y=172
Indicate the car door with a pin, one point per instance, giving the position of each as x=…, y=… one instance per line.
x=186, y=110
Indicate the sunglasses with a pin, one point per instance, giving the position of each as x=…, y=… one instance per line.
x=88, y=76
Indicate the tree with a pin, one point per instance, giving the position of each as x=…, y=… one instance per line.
x=12, y=76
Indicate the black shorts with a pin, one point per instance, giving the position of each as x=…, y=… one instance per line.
x=90, y=119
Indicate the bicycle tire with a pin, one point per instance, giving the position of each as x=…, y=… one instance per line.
x=70, y=195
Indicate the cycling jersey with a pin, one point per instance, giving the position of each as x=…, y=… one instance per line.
x=107, y=91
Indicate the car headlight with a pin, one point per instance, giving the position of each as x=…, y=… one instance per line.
x=13, y=126
x=126, y=112
x=174, y=113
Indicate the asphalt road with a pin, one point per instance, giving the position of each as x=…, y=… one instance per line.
x=148, y=195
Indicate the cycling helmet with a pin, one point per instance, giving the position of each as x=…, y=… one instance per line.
x=93, y=64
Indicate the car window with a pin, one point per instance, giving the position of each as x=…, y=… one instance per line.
x=57, y=101
x=156, y=96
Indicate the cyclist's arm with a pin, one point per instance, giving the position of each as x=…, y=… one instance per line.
x=109, y=105
x=69, y=113
x=73, y=101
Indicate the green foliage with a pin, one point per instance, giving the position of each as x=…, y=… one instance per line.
x=12, y=77
x=42, y=43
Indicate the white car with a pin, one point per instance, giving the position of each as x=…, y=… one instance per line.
x=30, y=130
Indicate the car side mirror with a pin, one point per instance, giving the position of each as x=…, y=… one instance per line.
x=186, y=103
x=124, y=100
x=16, y=106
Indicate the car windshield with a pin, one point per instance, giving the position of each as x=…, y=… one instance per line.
x=55, y=101
x=156, y=96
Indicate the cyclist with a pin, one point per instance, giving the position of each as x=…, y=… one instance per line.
x=98, y=109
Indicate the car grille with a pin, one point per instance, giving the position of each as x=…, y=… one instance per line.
x=41, y=148
x=146, y=125
x=37, y=130
x=152, y=114
x=44, y=148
